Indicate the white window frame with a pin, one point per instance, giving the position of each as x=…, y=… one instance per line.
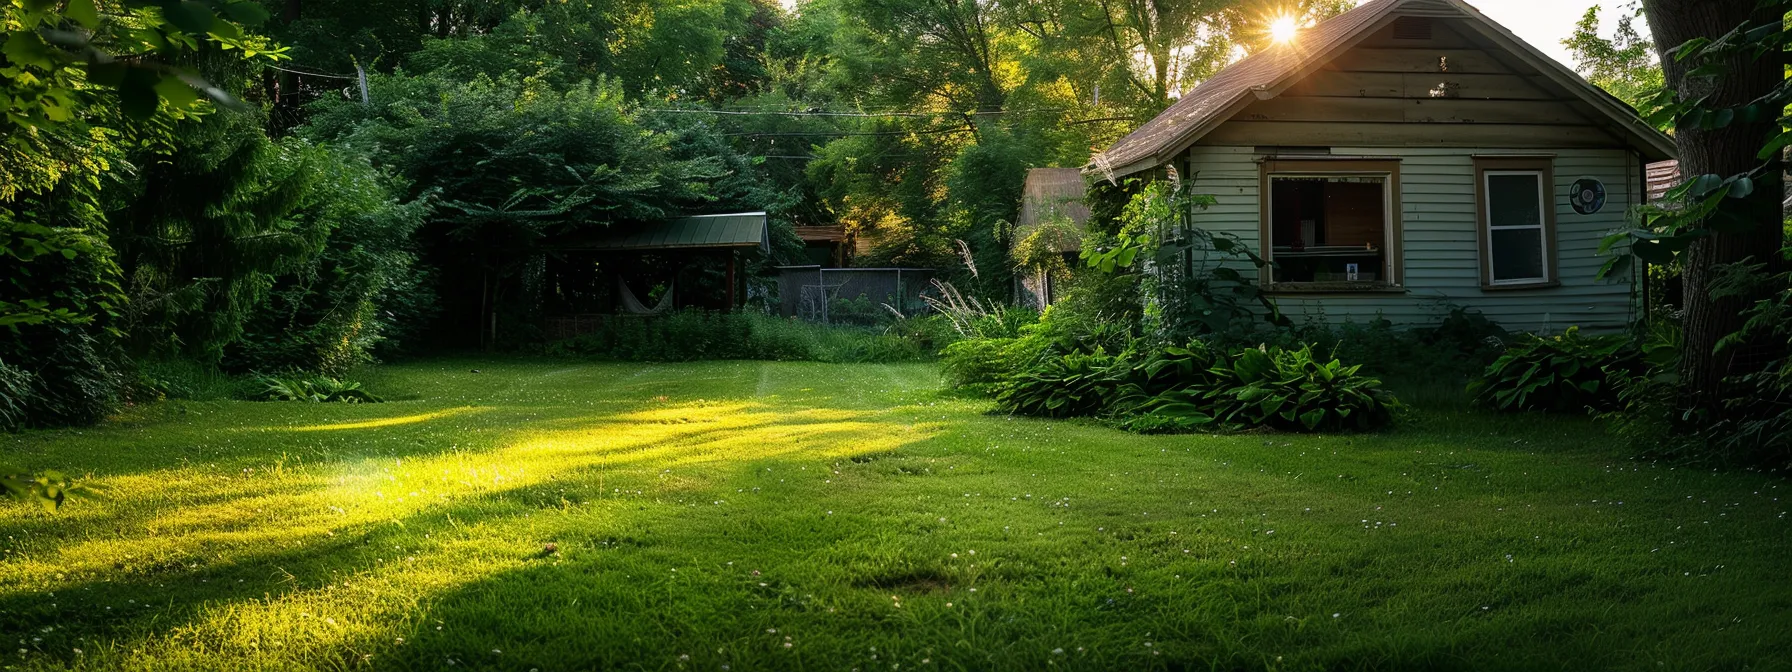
x=1542, y=226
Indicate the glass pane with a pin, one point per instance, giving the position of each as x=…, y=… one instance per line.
x=1512, y=200
x=1518, y=254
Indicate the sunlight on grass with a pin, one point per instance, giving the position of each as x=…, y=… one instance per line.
x=384, y=422
x=778, y=516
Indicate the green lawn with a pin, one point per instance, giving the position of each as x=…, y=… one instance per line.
x=745, y=515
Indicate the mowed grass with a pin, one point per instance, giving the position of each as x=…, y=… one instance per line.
x=745, y=515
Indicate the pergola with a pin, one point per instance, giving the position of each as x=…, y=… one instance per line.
x=668, y=247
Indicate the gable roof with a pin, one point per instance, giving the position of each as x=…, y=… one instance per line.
x=1267, y=73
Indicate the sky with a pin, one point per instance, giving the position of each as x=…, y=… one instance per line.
x=1545, y=23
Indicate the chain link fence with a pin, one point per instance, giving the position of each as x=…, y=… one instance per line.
x=856, y=296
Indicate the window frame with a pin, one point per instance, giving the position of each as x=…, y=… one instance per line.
x=1393, y=251
x=1544, y=169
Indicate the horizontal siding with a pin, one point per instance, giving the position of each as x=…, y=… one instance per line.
x=1441, y=253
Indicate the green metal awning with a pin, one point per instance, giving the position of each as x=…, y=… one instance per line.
x=737, y=230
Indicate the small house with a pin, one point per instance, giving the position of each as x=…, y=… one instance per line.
x=1409, y=157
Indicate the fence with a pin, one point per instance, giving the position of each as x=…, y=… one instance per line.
x=862, y=296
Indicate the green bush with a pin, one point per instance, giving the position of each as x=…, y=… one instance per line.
x=1284, y=389
x=1294, y=390
x=976, y=365
x=159, y=379
x=317, y=389
x=77, y=380
x=1071, y=385
x=1456, y=349
x=1199, y=386
x=1569, y=372
x=15, y=397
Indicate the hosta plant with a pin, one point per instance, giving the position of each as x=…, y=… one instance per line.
x=1296, y=391
x=1076, y=384
x=1569, y=372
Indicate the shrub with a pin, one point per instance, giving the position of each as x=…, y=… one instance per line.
x=977, y=365
x=1569, y=372
x=77, y=380
x=1457, y=349
x=313, y=389
x=1284, y=389
x=1075, y=384
x=159, y=379
x=1294, y=390
x=15, y=397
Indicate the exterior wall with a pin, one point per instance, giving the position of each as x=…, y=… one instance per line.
x=1440, y=238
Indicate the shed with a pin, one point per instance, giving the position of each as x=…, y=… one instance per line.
x=1408, y=157
x=1050, y=194
x=597, y=274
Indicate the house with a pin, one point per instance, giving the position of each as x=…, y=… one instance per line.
x=1407, y=157
x=1050, y=195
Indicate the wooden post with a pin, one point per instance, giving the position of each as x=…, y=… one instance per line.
x=731, y=257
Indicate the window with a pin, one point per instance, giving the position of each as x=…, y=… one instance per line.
x=1332, y=225
x=1516, y=214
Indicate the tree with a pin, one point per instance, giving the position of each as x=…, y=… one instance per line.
x=1624, y=65
x=518, y=162
x=1726, y=87
x=206, y=226
x=81, y=83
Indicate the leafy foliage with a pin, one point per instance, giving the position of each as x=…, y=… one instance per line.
x=1198, y=386
x=361, y=291
x=1568, y=373
x=315, y=389
x=50, y=488
x=1294, y=390
x=15, y=397
x=1191, y=278
x=1069, y=385
x=1623, y=65
x=207, y=226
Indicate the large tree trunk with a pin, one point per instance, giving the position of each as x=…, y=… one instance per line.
x=1725, y=152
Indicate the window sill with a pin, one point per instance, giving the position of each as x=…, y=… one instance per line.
x=1529, y=285
x=1333, y=288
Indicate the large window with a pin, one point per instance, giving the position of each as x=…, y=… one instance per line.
x=1516, y=217
x=1332, y=225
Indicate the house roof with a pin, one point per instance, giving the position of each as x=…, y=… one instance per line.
x=1051, y=193
x=822, y=234
x=736, y=230
x=1265, y=74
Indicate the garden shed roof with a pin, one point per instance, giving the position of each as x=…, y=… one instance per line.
x=735, y=230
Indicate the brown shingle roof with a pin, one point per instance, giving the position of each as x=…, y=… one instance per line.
x=1264, y=72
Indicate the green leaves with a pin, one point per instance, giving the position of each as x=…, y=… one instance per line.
x=1566, y=373
x=48, y=488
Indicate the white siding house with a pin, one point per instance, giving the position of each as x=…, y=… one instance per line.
x=1407, y=157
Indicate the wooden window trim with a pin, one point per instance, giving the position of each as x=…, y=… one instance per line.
x=1344, y=166
x=1484, y=232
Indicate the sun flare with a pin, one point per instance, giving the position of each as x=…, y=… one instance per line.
x=1283, y=29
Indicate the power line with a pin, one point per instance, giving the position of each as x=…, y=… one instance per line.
x=825, y=113
x=846, y=134
x=310, y=74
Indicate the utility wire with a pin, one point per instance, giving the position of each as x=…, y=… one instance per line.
x=845, y=134
x=823, y=113
x=310, y=74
